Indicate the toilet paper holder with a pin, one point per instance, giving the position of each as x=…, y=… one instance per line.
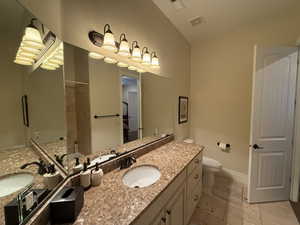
x=223, y=145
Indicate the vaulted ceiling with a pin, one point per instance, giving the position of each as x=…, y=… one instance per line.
x=219, y=16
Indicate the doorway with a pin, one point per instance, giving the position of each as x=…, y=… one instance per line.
x=130, y=108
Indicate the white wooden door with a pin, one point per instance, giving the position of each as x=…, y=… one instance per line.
x=272, y=122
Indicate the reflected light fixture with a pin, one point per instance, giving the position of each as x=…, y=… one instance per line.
x=146, y=57
x=133, y=68
x=109, y=39
x=110, y=60
x=122, y=64
x=124, y=49
x=154, y=61
x=136, y=52
x=32, y=37
x=95, y=55
x=55, y=59
x=31, y=45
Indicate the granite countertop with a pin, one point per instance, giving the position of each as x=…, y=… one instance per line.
x=10, y=162
x=113, y=203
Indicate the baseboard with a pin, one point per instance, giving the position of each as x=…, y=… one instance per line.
x=236, y=176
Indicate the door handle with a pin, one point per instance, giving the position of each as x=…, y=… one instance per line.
x=256, y=146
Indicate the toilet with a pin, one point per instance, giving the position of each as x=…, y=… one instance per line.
x=210, y=168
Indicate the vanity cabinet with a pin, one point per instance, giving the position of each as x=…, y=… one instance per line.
x=176, y=204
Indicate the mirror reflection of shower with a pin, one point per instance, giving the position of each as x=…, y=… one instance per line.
x=130, y=108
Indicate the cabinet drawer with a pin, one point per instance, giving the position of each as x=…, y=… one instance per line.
x=194, y=180
x=195, y=163
x=192, y=201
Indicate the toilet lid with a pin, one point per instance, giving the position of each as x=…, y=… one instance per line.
x=211, y=162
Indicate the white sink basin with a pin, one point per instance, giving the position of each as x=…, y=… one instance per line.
x=12, y=183
x=101, y=159
x=141, y=176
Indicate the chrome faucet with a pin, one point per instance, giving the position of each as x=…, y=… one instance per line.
x=127, y=162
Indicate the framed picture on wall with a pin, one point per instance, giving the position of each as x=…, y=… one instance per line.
x=183, y=109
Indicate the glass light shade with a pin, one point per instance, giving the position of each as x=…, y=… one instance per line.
x=22, y=62
x=95, y=55
x=33, y=44
x=141, y=70
x=47, y=67
x=59, y=57
x=25, y=59
x=121, y=64
x=51, y=64
x=56, y=61
x=155, y=62
x=124, y=49
x=133, y=68
x=146, y=59
x=27, y=54
x=109, y=42
x=136, y=54
x=32, y=34
x=30, y=49
x=110, y=60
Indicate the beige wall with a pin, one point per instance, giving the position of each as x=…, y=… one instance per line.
x=140, y=19
x=12, y=132
x=221, y=82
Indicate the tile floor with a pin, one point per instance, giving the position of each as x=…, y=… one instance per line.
x=227, y=206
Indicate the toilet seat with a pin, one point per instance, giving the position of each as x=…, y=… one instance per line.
x=211, y=164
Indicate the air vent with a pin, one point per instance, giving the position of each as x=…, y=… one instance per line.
x=197, y=21
x=178, y=4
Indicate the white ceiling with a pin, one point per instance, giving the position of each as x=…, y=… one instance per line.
x=220, y=15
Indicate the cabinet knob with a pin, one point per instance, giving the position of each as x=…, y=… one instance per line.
x=197, y=161
x=196, y=198
x=196, y=176
x=169, y=212
x=164, y=219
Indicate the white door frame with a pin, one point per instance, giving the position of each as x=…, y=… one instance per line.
x=293, y=152
x=295, y=182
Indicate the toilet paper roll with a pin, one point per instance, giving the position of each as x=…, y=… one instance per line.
x=223, y=146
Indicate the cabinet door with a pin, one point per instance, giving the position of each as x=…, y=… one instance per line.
x=175, y=209
x=159, y=219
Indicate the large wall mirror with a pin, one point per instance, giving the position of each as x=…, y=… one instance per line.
x=32, y=106
x=61, y=108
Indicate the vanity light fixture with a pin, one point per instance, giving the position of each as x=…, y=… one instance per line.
x=146, y=57
x=23, y=62
x=95, y=55
x=109, y=39
x=154, y=61
x=110, y=60
x=124, y=49
x=136, y=52
x=133, y=68
x=122, y=64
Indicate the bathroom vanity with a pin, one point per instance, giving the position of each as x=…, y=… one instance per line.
x=170, y=200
